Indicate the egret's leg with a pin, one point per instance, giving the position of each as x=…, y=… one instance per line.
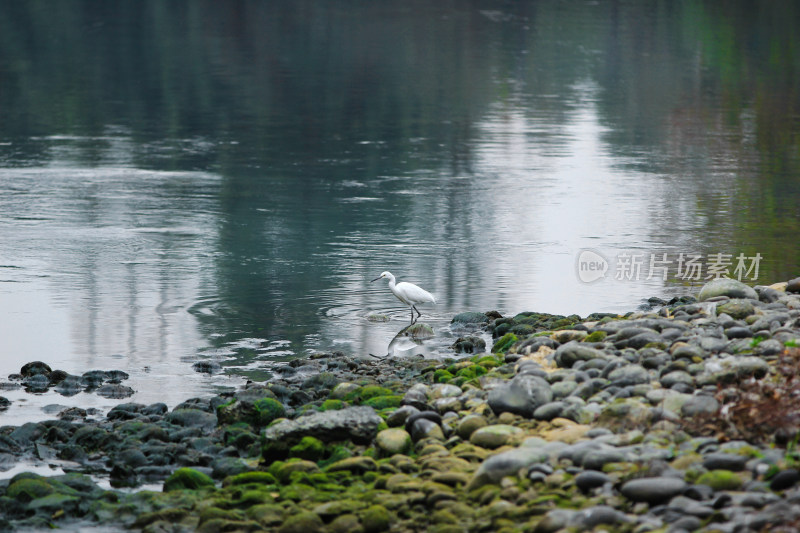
x=412, y=315
x=414, y=308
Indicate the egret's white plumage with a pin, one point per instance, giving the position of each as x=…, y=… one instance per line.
x=408, y=293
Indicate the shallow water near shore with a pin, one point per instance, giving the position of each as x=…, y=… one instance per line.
x=228, y=201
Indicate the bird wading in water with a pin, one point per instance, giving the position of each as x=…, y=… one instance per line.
x=408, y=293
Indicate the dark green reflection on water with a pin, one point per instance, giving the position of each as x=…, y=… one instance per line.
x=353, y=136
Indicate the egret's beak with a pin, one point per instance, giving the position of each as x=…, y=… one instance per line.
x=376, y=279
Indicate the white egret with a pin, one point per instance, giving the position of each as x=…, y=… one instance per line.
x=408, y=293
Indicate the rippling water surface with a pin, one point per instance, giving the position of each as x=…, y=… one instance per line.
x=225, y=191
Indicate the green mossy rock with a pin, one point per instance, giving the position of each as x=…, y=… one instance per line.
x=267, y=514
x=471, y=372
x=720, y=480
x=595, y=336
x=309, y=448
x=357, y=465
x=302, y=522
x=285, y=470
x=332, y=405
x=346, y=523
x=362, y=394
x=261, y=478
x=29, y=488
x=268, y=409
x=187, y=479
x=384, y=402
x=375, y=519
x=442, y=376
x=504, y=343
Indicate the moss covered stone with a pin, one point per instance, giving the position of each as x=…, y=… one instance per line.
x=595, y=336
x=332, y=405
x=302, y=522
x=261, y=478
x=29, y=488
x=504, y=343
x=384, y=402
x=375, y=519
x=442, y=376
x=187, y=479
x=269, y=409
x=309, y=448
x=721, y=480
x=471, y=372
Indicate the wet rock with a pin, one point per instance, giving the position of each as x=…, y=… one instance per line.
x=36, y=383
x=207, y=367
x=355, y=423
x=470, y=317
x=36, y=368
x=417, y=331
x=522, y=395
x=114, y=391
x=469, y=344
x=187, y=478
x=726, y=287
x=653, y=490
x=192, y=418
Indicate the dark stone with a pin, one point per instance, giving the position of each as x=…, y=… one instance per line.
x=433, y=416
x=725, y=461
x=207, y=367
x=35, y=368
x=115, y=391
x=125, y=411
x=192, y=418
x=549, y=410
x=522, y=395
x=793, y=285
x=469, y=344
x=653, y=490
x=470, y=317
x=784, y=479
x=591, y=479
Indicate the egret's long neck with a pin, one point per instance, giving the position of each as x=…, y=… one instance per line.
x=391, y=282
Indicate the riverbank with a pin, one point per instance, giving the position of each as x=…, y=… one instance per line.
x=683, y=418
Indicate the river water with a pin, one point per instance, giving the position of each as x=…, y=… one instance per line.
x=200, y=181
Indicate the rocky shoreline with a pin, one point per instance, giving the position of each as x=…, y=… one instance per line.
x=684, y=418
